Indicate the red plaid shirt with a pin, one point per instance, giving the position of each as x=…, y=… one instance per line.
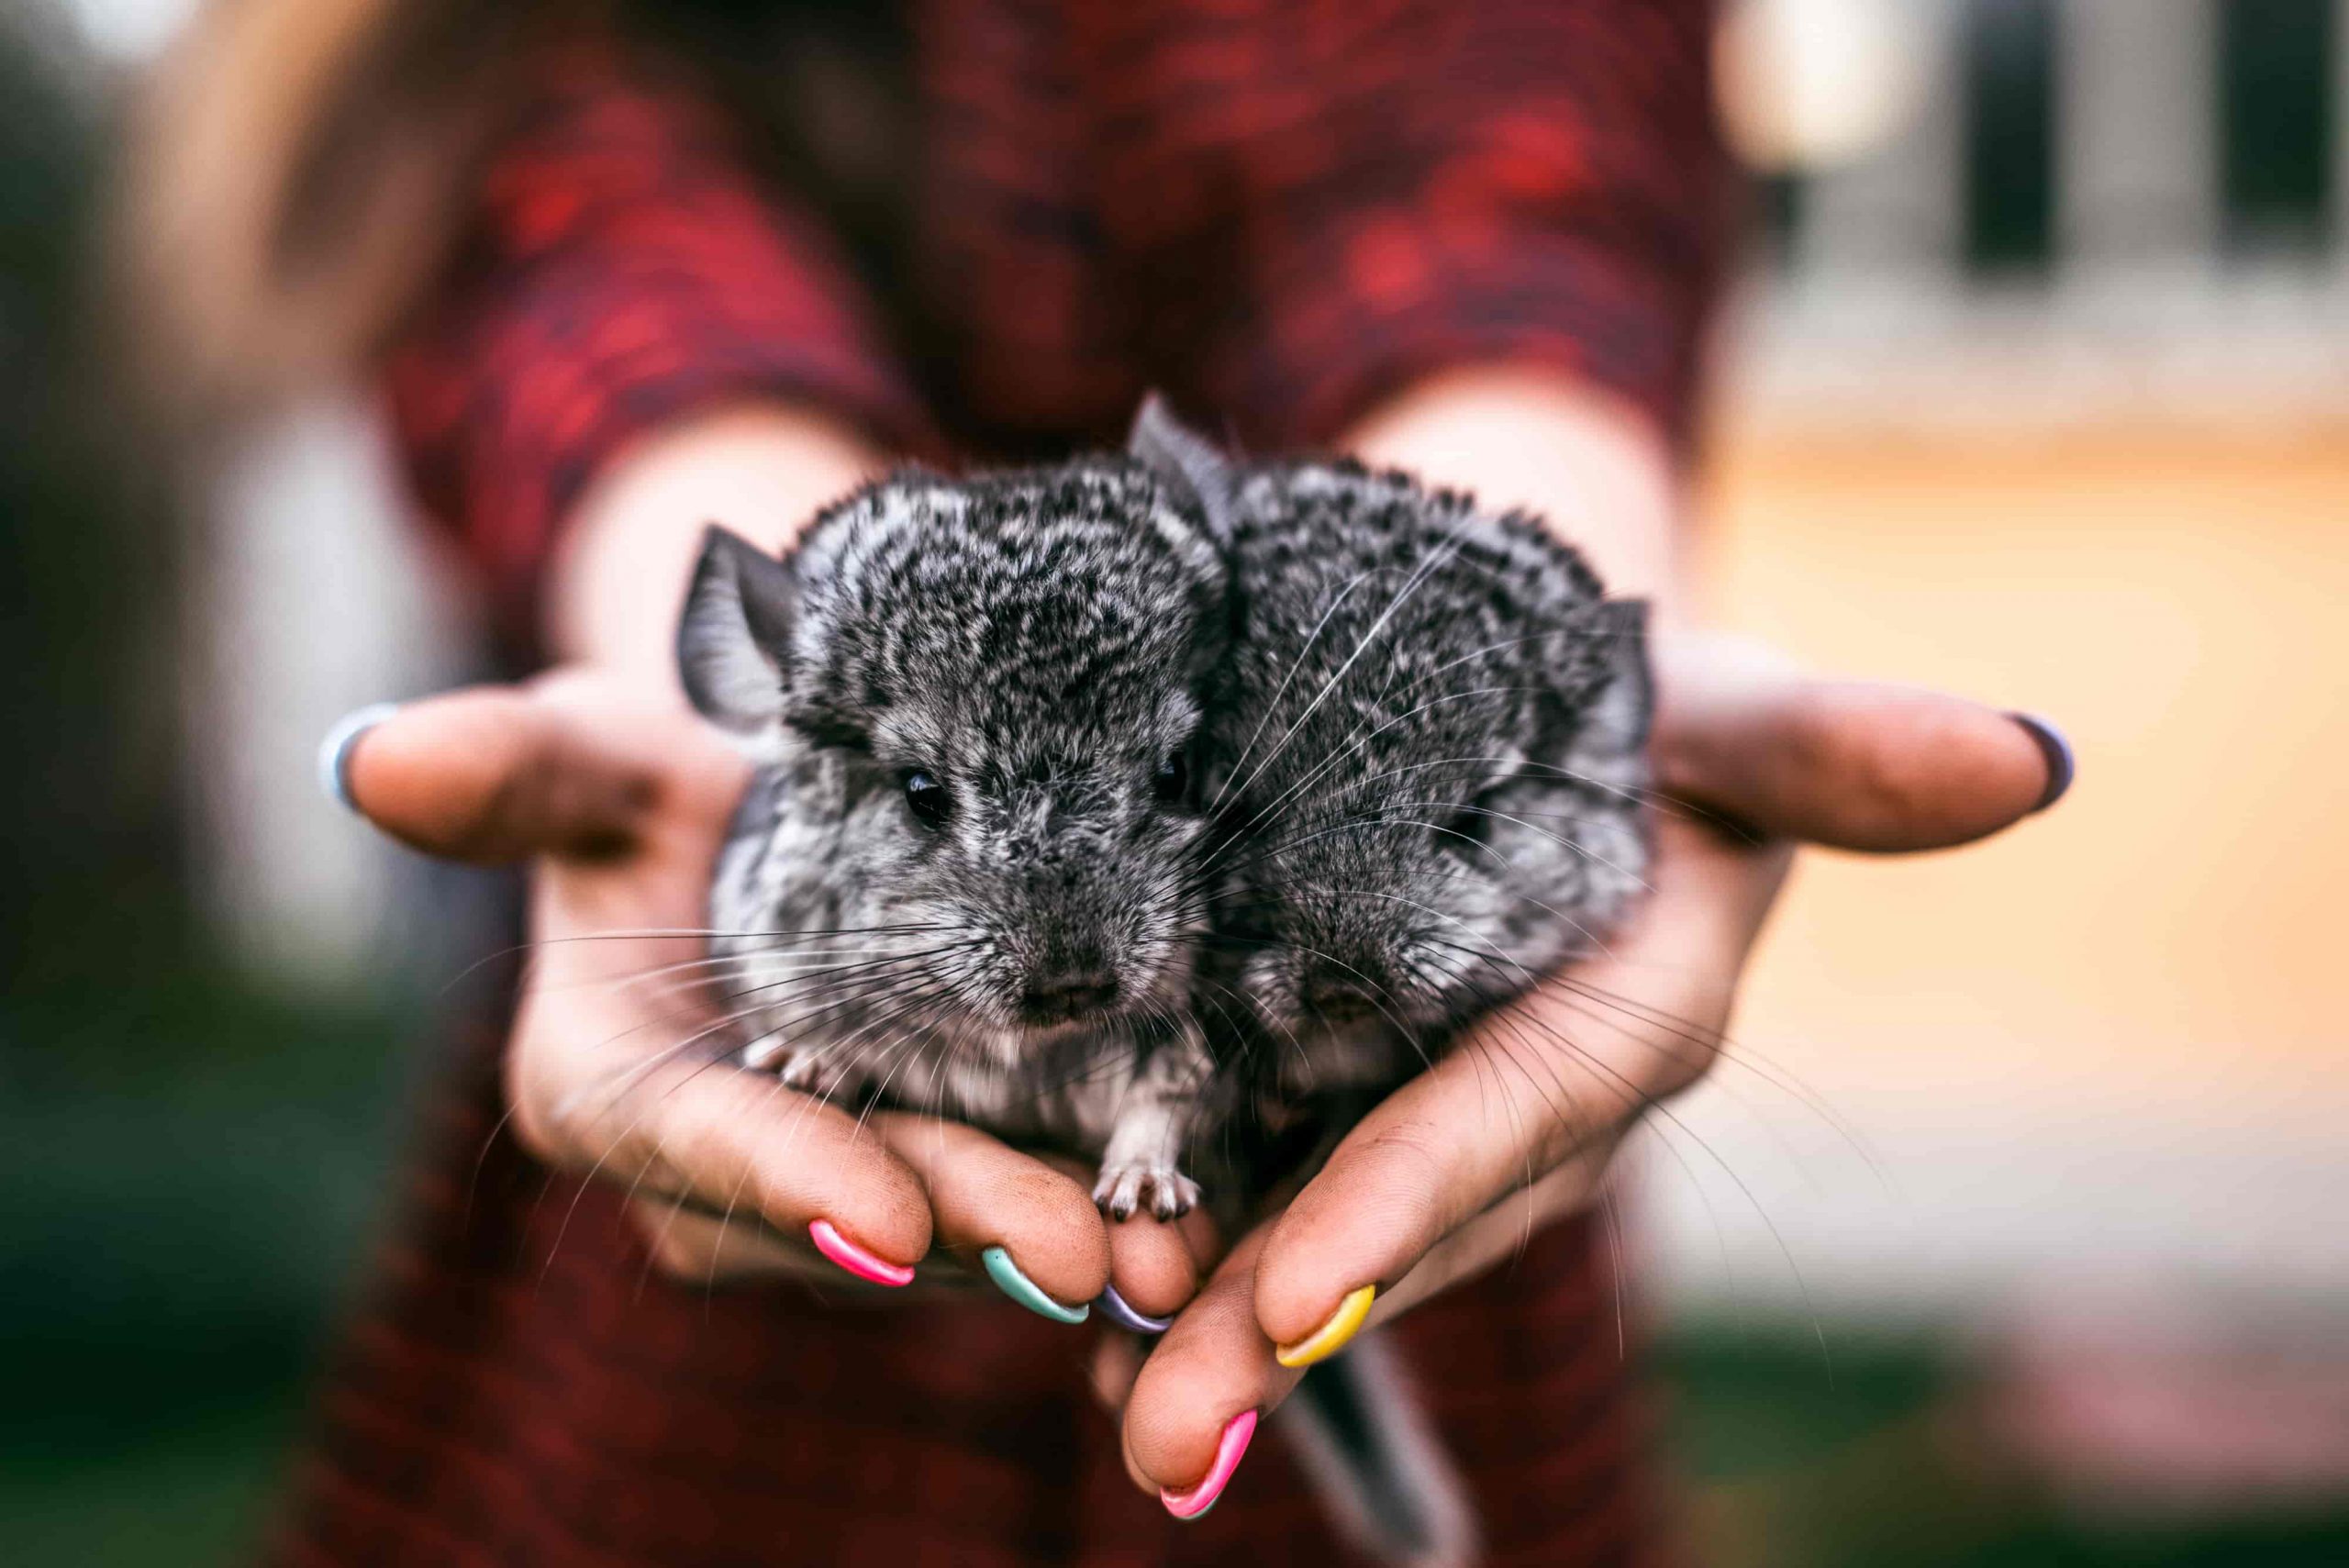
x=1278, y=210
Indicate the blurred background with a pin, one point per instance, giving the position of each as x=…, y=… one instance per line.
x=2013, y=1231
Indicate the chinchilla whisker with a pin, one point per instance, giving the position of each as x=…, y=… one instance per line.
x=1336, y=601
x=1670, y=805
x=700, y=971
x=613, y=1144
x=1361, y=738
x=1419, y=575
x=1639, y=1103
x=1562, y=1112
x=721, y=1023
x=733, y=1201
x=894, y=1008
x=625, y=1081
x=1746, y=1058
x=1705, y=1045
x=884, y=991
x=1448, y=920
x=657, y=933
x=1522, y=767
x=836, y=976
x=807, y=956
x=1517, y=1025
x=1268, y=813
x=839, y=975
x=1372, y=818
x=1584, y=851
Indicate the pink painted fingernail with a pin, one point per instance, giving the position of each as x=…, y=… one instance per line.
x=864, y=1265
x=1190, y=1505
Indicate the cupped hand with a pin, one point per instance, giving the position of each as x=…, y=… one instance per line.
x=1517, y=1125
x=615, y=1065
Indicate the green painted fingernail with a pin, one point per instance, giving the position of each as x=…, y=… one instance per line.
x=1021, y=1289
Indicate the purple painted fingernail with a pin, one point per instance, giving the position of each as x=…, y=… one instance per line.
x=1122, y=1312
x=2056, y=750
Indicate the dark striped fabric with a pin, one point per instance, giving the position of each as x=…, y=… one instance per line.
x=1277, y=211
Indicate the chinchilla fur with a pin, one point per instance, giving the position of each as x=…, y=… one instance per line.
x=1430, y=765
x=1101, y=801
x=962, y=878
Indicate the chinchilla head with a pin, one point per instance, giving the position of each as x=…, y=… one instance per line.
x=977, y=702
x=1431, y=771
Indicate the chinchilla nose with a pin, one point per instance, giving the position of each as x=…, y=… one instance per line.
x=1341, y=995
x=1057, y=992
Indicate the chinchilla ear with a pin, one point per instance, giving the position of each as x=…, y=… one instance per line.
x=1187, y=459
x=1623, y=704
x=735, y=632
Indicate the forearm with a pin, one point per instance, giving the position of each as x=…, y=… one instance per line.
x=1517, y=436
x=1595, y=469
x=619, y=577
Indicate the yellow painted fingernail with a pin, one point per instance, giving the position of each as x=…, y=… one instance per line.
x=1331, y=1337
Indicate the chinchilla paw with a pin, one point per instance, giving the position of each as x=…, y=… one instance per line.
x=1124, y=1191
x=815, y=1072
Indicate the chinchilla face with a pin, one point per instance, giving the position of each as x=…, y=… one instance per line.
x=1431, y=769
x=976, y=701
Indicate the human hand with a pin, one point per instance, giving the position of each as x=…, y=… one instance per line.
x=615, y=1069
x=1448, y=1176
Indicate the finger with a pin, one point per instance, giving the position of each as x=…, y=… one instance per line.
x=1854, y=764
x=1116, y=1359
x=732, y=1143
x=1031, y=1229
x=497, y=774
x=1195, y=1401
x=1156, y=1265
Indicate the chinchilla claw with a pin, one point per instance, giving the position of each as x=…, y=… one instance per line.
x=1125, y=1190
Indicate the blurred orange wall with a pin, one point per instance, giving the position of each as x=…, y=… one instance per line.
x=2168, y=943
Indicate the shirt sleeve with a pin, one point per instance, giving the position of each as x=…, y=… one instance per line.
x=1528, y=181
x=620, y=267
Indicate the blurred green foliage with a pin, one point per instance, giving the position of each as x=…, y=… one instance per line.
x=180, y=1222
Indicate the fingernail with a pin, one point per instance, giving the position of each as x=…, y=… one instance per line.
x=1021, y=1289
x=1122, y=1312
x=334, y=752
x=1229, y=1448
x=1331, y=1337
x=864, y=1265
x=2056, y=750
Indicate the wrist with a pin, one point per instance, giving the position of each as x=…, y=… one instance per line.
x=617, y=580
x=1596, y=470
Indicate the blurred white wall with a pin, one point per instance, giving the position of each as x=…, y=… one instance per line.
x=315, y=593
x=2104, y=1054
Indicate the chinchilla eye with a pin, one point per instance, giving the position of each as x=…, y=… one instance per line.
x=925, y=798
x=1470, y=829
x=1173, y=780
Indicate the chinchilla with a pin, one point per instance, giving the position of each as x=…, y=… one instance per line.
x=1426, y=778
x=963, y=878
x=1425, y=773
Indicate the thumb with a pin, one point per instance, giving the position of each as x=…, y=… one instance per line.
x=1856, y=764
x=498, y=774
